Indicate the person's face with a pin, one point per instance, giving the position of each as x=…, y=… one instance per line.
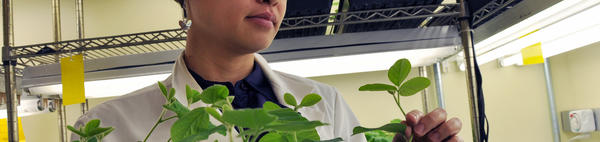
x=245, y=26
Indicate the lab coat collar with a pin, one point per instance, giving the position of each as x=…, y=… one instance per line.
x=182, y=77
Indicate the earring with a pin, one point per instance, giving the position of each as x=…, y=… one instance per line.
x=185, y=24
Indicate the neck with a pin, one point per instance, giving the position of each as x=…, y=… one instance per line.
x=216, y=63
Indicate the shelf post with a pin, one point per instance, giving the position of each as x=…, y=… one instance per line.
x=9, y=73
x=469, y=51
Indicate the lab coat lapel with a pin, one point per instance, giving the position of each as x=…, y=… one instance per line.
x=181, y=78
x=279, y=84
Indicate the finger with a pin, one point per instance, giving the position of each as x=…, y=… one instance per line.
x=408, y=130
x=445, y=131
x=397, y=138
x=413, y=117
x=454, y=139
x=430, y=121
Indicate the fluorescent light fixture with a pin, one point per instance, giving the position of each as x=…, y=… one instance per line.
x=106, y=77
x=563, y=44
x=512, y=60
x=565, y=34
x=553, y=23
x=359, y=63
x=106, y=88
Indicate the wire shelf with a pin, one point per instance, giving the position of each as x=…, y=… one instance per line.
x=489, y=10
x=164, y=40
x=368, y=16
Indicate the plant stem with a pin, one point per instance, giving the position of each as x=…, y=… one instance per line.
x=253, y=138
x=168, y=118
x=410, y=139
x=295, y=137
x=230, y=133
x=156, y=124
x=397, y=101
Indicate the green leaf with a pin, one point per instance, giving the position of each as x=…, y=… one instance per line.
x=177, y=107
x=398, y=72
x=221, y=129
x=310, y=135
x=91, y=125
x=93, y=139
x=286, y=115
x=163, y=89
x=248, y=118
x=230, y=98
x=214, y=94
x=214, y=113
x=310, y=99
x=269, y=106
x=191, y=94
x=203, y=135
x=295, y=126
x=194, y=123
x=273, y=137
x=171, y=94
x=289, y=99
x=248, y=132
x=108, y=131
x=396, y=121
x=413, y=86
x=72, y=129
x=391, y=127
x=391, y=92
x=331, y=140
x=377, y=87
x=302, y=136
x=99, y=131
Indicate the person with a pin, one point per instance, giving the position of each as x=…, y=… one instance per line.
x=222, y=45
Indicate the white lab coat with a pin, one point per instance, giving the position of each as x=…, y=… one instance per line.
x=133, y=115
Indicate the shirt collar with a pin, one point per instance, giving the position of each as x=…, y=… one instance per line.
x=256, y=79
x=181, y=77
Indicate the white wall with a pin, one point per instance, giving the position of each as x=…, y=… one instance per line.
x=33, y=25
x=575, y=78
x=516, y=99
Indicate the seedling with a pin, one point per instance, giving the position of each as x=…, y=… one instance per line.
x=279, y=124
x=276, y=124
x=396, y=74
x=91, y=132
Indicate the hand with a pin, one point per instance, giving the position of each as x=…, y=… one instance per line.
x=432, y=127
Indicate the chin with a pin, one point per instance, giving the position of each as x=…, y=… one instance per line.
x=258, y=45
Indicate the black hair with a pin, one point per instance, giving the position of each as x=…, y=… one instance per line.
x=182, y=4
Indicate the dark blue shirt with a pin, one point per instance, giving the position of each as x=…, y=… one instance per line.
x=251, y=92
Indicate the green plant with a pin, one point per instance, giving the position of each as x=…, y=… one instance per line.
x=91, y=132
x=280, y=124
x=397, y=75
x=380, y=135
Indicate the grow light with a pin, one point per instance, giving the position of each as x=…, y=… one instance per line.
x=562, y=20
x=566, y=35
x=359, y=63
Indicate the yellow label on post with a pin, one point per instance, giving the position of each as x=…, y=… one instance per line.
x=72, y=80
x=532, y=54
x=4, y=130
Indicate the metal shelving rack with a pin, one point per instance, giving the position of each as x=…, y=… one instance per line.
x=18, y=57
x=156, y=41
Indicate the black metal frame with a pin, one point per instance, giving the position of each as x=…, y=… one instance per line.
x=15, y=58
